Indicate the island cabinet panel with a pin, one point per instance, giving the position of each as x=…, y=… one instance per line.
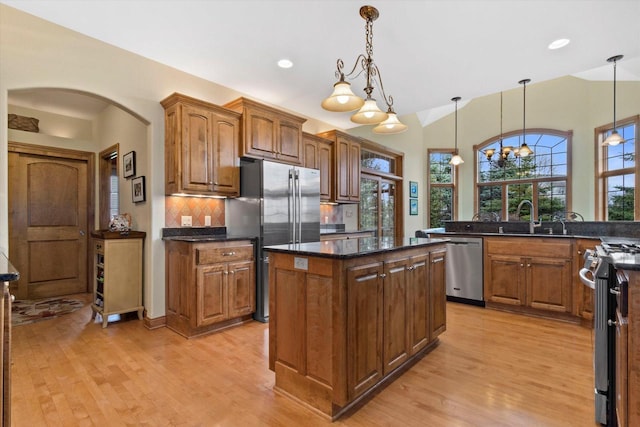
x=269, y=133
x=209, y=286
x=419, y=298
x=340, y=326
x=201, y=147
x=628, y=356
x=532, y=275
x=364, y=330
x=438, y=292
x=396, y=313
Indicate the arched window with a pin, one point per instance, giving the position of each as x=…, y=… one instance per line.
x=504, y=178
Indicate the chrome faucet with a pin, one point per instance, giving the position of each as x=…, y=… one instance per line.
x=532, y=223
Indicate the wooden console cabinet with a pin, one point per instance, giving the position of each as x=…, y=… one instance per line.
x=117, y=267
x=341, y=326
x=210, y=285
x=528, y=273
x=268, y=133
x=628, y=356
x=201, y=147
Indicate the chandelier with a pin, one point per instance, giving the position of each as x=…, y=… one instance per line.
x=505, y=150
x=343, y=99
x=615, y=138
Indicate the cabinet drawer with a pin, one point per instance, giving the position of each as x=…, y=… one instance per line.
x=224, y=254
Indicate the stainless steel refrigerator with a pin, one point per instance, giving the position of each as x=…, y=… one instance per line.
x=278, y=204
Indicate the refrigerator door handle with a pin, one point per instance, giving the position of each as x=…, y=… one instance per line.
x=292, y=208
x=298, y=222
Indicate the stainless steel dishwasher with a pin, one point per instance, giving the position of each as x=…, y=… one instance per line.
x=464, y=270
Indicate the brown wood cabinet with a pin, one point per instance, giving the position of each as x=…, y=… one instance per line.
x=341, y=326
x=268, y=133
x=318, y=154
x=209, y=285
x=201, y=147
x=346, y=166
x=117, y=268
x=536, y=274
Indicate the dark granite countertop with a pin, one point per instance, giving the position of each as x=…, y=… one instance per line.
x=200, y=234
x=352, y=248
x=8, y=272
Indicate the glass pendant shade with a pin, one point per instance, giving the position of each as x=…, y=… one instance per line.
x=524, y=150
x=456, y=160
x=369, y=114
x=342, y=99
x=614, y=139
x=391, y=125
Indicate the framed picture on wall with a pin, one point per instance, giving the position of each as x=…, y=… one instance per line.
x=413, y=206
x=138, y=190
x=413, y=189
x=129, y=162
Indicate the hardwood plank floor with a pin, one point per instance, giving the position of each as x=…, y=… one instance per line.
x=490, y=369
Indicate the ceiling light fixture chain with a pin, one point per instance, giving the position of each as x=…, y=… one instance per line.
x=343, y=99
x=456, y=159
x=614, y=138
x=505, y=150
x=524, y=150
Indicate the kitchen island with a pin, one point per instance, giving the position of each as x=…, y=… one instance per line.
x=348, y=316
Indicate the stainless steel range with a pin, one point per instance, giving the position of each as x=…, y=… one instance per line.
x=610, y=286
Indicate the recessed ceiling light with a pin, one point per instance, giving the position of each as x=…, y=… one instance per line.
x=557, y=44
x=285, y=63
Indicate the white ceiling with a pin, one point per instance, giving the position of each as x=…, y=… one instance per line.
x=427, y=51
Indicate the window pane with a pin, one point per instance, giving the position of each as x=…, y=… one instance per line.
x=368, y=204
x=387, y=207
x=378, y=162
x=490, y=199
x=620, y=197
x=552, y=199
x=516, y=193
x=439, y=168
x=440, y=206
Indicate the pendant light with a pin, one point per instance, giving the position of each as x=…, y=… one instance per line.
x=615, y=138
x=524, y=150
x=456, y=159
x=343, y=99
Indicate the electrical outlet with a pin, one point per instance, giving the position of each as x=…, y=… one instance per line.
x=207, y=220
x=186, y=221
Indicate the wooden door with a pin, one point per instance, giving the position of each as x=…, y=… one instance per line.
x=260, y=131
x=50, y=203
x=396, y=313
x=226, y=137
x=290, y=142
x=549, y=284
x=505, y=282
x=354, y=171
x=342, y=170
x=438, y=293
x=364, y=328
x=242, y=289
x=326, y=173
x=212, y=294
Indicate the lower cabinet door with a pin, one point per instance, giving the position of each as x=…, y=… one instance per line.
x=212, y=295
x=396, y=314
x=418, y=291
x=242, y=289
x=438, y=293
x=364, y=336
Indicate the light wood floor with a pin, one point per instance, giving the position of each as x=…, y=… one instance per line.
x=490, y=369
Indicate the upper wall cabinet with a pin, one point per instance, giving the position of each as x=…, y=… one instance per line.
x=201, y=147
x=346, y=166
x=318, y=154
x=269, y=133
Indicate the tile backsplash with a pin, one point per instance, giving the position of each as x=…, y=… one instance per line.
x=196, y=207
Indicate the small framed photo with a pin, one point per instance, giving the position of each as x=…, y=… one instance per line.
x=413, y=206
x=129, y=161
x=138, y=190
x=413, y=189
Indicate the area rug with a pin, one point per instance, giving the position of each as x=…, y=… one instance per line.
x=28, y=311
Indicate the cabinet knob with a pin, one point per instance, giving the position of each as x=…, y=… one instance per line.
x=382, y=275
x=579, y=252
x=521, y=265
x=529, y=265
x=612, y=322
x=232, y=272
x=411, y=267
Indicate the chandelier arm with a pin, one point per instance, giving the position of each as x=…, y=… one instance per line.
x=378, y=78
